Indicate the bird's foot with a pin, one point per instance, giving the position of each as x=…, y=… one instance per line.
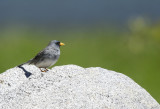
x=45, y=70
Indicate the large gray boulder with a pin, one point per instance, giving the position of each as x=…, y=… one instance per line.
x=71, y=87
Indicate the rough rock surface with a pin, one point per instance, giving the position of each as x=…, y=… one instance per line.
x=71, y=87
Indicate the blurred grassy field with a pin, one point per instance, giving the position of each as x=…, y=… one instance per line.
x=135, y=52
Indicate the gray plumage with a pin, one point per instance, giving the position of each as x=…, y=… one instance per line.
x=48, y=56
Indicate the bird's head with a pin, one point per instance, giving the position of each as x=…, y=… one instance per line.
x=56, y=43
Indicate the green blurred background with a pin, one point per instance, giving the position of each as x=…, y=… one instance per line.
x=120, y=36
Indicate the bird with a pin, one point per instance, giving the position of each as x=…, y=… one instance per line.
x=46, y=57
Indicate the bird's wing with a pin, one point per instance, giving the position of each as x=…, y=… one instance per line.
x=37, y=58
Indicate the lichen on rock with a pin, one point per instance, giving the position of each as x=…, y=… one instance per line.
x=71, y=87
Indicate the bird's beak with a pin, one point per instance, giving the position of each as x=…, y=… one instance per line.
x=61, y=44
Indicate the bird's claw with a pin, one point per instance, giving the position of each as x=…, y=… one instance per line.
x=45, y=70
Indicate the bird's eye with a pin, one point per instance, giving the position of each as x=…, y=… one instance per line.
x=57, y=43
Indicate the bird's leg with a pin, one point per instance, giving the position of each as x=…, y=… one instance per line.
x=42, y=70
x=46, y=69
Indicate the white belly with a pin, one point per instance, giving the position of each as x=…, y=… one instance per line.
x=46, y=63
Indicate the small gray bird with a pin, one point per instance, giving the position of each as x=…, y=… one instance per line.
x=47, y=57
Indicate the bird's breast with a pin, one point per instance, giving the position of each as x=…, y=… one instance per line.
x=47, y=62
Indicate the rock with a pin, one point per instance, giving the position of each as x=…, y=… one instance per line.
x=71, y=87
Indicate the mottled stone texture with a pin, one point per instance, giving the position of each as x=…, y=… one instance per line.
x=71, y=87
